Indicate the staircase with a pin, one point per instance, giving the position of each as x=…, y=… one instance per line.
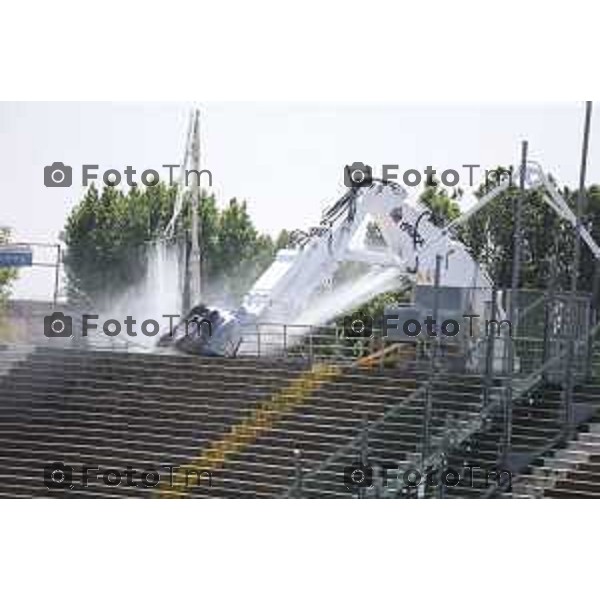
x=115, y=409
x=538, y=429
x=243, y=418
x=268, y=428
x=571, y=472
x=10, y=356
x=572, y=469
x=263, y=418
x=395, y=428
x=332, y=417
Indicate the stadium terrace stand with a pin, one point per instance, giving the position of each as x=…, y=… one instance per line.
x=572, y=469
x=539, y=448
x=115, y=409
x=150, y=411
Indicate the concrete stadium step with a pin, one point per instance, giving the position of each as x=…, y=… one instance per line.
x=391, y=441
x=566, y=471
x=118, y=409
x=43, y=419
x=537, y=422
x=49, y=372
x=304, y=430
x=11, y=357
x=105, y=407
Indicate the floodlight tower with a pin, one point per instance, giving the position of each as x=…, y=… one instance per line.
x=189, y=191
x=195, y=262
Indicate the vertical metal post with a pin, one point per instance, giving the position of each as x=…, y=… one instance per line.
x=593, y=319
x=364, y=448
x=298, y=475
x=428, y=407
x=310, y=344
x=570, y=376
x=378, y=483
x=196, y=257
x=364, y=441
x=258, y=339
x=57, y=274
x=548, y=312
x=436, y=304
x=513, y=300
x=550, y=299
x=517, y=234
x=489, y=355
x=285, y=340
x=442, y=487
x=186, y=303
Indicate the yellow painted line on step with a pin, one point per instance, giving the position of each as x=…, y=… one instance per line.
x=243, y=434
x=402, y=350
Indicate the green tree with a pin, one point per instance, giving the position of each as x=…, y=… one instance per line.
x=7, y=275
x=239, y=253
x=106, y=236
x=547, y=239
x=443, y=206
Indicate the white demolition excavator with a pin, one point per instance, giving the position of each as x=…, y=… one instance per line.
x=299, y=275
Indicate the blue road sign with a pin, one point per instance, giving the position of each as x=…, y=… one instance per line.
x=11, y=256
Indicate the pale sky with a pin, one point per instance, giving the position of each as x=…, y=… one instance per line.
x=286, y=160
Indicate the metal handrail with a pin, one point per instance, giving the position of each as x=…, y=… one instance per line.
x=496, y=486
x=354, y=443
x=524, y=386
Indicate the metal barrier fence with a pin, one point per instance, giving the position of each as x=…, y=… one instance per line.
x=490, y=384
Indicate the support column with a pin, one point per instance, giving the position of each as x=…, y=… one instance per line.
x=428, y=405
x=298, y=475
x=57, y=274
x=513, y=302
x=570, y=375
x=195, y=264
x=490, y=351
